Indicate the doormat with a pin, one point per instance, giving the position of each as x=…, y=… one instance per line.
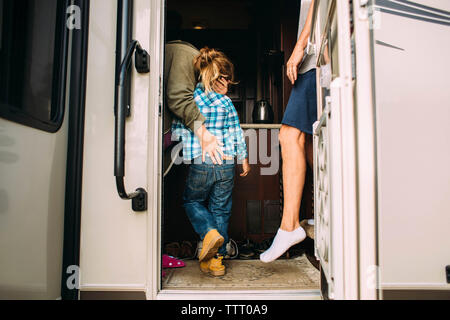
x=293, y=274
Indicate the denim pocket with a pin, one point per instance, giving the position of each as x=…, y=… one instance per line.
x=227, y=173
x=197, y=179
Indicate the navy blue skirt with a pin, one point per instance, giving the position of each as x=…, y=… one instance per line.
x=301, y=111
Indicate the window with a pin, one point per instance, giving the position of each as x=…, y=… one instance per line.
x=33, y=50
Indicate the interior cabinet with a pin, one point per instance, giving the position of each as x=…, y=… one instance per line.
x=257, y=198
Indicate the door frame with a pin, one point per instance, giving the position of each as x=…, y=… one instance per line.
x=366, y=154
x=155, y=143
x=155, y=182
x=75, y=148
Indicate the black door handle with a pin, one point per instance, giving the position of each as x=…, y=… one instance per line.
x=121, y=108
x=124, y=52
x=139, y=197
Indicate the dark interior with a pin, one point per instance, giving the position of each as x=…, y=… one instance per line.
x=258, y=36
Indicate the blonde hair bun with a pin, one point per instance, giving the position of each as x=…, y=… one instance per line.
x=212, y=64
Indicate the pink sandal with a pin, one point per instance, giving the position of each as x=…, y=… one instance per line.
x=171, y=262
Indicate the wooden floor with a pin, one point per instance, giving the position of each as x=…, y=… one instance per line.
x=292, y=274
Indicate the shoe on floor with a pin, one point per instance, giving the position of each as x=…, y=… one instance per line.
x=187, y=250
x=172, y=262
x=172, y=249
x=232, y=250
x=213, y=266
x=211, y=244
x=308, y=228
x=263, y=246
x=246, y=251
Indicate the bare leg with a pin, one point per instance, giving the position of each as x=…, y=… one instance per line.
x=293, y=143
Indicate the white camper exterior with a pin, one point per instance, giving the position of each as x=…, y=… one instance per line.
x=381, y=232
x=382, y=183
x=35, y=132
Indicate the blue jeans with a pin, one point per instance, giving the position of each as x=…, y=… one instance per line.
x=208, y=199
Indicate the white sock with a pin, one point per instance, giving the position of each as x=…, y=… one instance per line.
x=282, y=242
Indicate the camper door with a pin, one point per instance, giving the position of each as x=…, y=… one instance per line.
x=121, y=167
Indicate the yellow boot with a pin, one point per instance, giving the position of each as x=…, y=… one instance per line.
x=213, y=266
x=211, y=244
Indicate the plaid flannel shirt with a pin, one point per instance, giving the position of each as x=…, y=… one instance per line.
x=222, y=121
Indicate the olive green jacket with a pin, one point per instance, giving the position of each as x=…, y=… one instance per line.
x=180, y=80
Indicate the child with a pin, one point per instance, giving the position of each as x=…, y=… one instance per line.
x=209, y=187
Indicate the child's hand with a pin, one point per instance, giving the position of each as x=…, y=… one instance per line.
x=245, y=168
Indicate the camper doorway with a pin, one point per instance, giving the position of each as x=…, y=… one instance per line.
x=258, y=36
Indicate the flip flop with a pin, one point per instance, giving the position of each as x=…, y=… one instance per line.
x=171, y=262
